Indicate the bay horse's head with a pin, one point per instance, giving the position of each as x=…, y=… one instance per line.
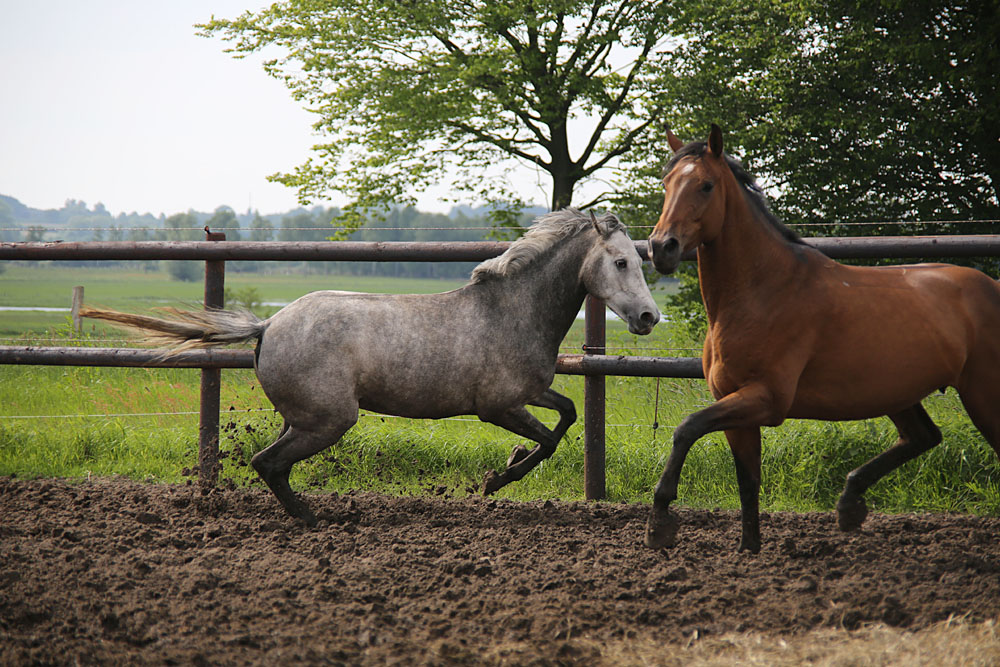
x=694, y=201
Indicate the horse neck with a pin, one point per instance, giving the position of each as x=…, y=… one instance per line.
x=546, y=295
x=747, y=256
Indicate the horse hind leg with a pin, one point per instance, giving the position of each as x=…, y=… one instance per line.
x=274, y=463
x=917, y=434
x=982, y=403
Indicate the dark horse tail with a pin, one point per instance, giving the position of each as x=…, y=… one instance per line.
x=188, y=329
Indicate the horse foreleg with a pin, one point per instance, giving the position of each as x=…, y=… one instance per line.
x=917, y=434
x=521, y=422
x=274, y=463
x=745, y=445
x=749, y=407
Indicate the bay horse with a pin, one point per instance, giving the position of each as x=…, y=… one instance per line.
x=791, y=333
x=486, y=349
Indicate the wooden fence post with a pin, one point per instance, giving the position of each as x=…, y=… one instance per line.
x=211, y=378
x=593, y=403
x=75, y=309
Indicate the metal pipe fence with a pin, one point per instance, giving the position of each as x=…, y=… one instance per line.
x=595, y=364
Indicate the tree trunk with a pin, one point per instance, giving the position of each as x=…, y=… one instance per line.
x=562, y=191
x=561, y=168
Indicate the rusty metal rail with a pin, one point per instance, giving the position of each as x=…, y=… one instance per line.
x=859, y=247
x=567, y=364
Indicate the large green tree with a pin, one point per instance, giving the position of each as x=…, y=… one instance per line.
x=848, y=110
x=407, y=93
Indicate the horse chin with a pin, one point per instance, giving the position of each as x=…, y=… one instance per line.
x=639, y=330
x=667, y=265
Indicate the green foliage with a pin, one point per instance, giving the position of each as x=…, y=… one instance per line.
x=184, y=270
x=246, y=298
x=405, y=90
x=850, y=111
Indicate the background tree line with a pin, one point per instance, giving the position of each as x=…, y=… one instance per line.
x=76, y=222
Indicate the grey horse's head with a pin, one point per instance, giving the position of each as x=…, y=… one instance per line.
x=612, y=272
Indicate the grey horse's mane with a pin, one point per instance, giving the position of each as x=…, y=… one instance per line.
x=547, y=231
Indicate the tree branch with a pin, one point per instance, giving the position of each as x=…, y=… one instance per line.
x=615, y=106
x=623, y=147
x=504, y=144
x=578, y=51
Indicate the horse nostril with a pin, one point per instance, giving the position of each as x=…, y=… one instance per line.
x=663, y=246
x=649, y=318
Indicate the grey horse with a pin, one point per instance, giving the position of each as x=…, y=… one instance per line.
x=486, y=349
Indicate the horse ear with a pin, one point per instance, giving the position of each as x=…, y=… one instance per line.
x=675, y=143
x=715, y=141
x=602, y=230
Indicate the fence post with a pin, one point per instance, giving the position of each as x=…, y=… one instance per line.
x=593, y=403
x=75, y=308
x=211, y=378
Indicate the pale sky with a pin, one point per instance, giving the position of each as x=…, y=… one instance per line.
x=120, y=102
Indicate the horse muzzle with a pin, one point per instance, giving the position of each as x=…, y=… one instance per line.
x=645, y=322
x=665, y=252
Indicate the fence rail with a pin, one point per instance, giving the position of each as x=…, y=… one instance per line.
x=857, y=247
x=594, y=364
x=567, y=364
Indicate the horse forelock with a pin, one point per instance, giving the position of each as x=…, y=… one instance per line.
x=753, y=192
x=546, y=232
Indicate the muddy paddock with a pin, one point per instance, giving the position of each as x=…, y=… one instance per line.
x=115, y=571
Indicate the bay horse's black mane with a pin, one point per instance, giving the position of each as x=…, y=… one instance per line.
x=753, y=192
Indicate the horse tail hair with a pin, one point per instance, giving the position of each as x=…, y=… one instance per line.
x=187, y=329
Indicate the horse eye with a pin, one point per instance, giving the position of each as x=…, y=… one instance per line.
x=707, y=187
x=621, y=264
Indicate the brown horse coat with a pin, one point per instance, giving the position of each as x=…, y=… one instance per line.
x=792, y=333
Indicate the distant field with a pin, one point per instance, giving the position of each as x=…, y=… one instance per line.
x=51, y=286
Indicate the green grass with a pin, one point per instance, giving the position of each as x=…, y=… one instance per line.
x=60, y=422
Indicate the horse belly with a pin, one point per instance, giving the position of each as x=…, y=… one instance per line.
x=871, y=385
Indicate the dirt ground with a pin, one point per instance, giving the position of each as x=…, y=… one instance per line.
x=112, y=571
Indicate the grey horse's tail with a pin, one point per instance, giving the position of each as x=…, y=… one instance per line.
x=188, y=329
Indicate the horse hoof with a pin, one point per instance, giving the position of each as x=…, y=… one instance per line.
x=661, y=530
x=517, y=455
x=492, y=482
x=851, y=513
x=305, y=515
